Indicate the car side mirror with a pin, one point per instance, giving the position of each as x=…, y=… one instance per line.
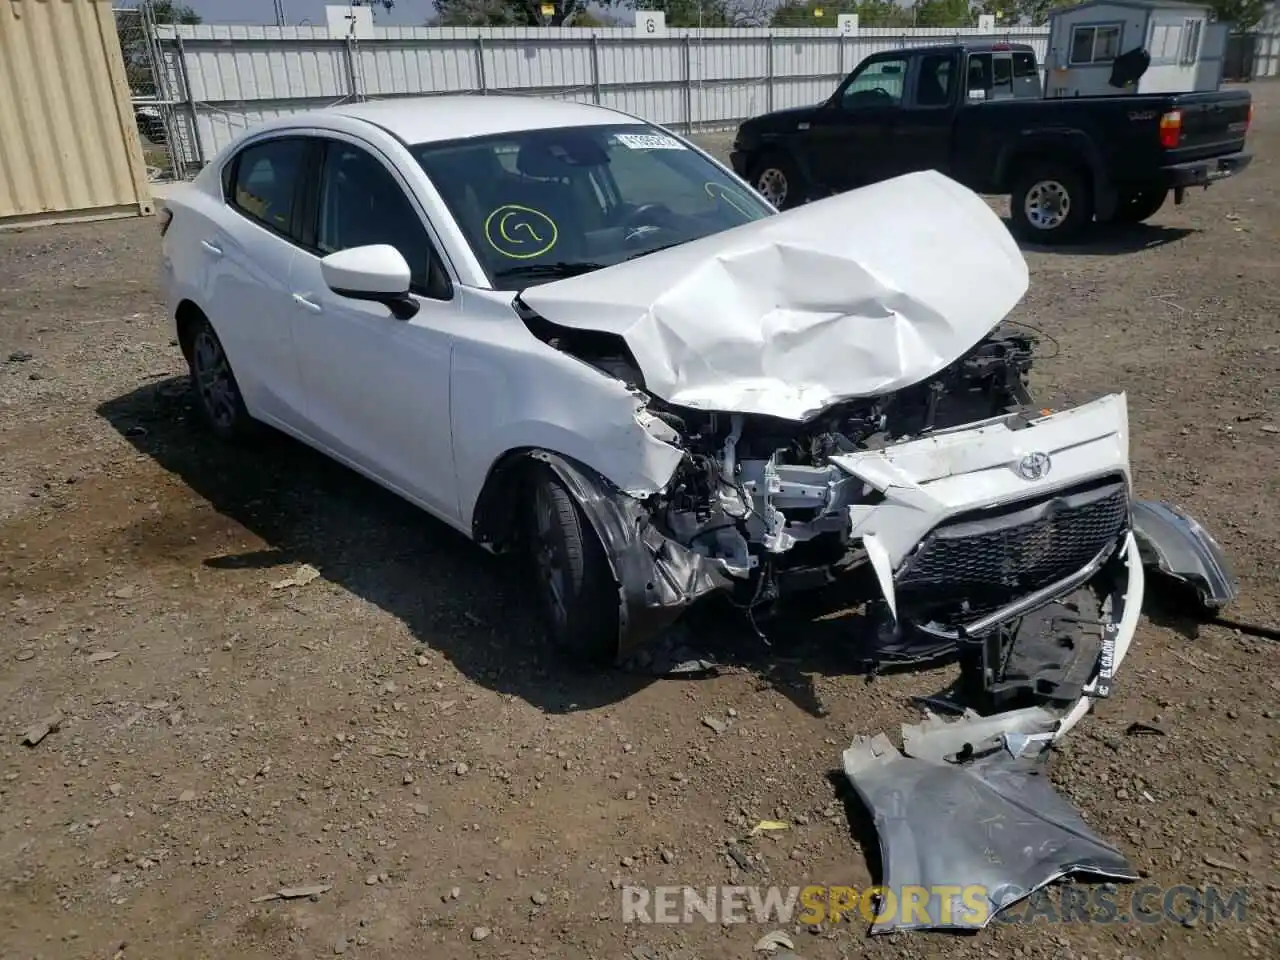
x=378, y=272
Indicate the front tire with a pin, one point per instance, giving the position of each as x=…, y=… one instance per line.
x=218, y=396
x=777, y=178
x=577, y=595
x=1050, y=203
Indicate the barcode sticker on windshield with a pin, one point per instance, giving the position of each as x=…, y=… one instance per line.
x=648, y=141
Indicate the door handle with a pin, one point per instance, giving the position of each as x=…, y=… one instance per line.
x=211, y=248
x=302, y=301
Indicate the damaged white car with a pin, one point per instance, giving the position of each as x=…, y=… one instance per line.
x=563, y=330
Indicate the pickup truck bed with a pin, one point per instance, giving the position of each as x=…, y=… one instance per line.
x=1065, y=162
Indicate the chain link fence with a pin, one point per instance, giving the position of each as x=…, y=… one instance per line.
x=155, y=104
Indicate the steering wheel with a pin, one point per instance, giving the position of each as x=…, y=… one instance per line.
x=649, y=214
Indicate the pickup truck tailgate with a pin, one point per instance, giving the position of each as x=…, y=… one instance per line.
x=1212, y=124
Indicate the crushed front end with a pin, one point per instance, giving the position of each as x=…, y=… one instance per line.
x=965, y=520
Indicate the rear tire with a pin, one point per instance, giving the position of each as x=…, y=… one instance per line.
x=777, y=178
x=576, y=592
x=1050, y=203
x=1136, y=206
x=217, y=393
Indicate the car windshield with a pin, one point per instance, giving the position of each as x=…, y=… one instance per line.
x=537, y=205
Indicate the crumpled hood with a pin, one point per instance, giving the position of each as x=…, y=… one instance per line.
x=855, y=295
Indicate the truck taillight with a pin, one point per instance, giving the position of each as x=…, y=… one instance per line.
x=1171, y=129
x=1248, y=120
x=165, y=217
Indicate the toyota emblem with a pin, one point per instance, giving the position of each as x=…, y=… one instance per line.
x=1034, y=466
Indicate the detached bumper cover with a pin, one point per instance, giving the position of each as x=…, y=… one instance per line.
x=1177, y=546
x=973, y=838
x=965, y=813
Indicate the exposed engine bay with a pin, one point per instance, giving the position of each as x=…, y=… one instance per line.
x=763, y=496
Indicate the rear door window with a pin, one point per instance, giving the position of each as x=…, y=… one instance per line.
x=933, y=85
x=265, y=181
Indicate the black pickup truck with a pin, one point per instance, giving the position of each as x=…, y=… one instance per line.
x=975, y=112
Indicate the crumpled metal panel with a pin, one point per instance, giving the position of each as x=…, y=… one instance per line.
x=856, y=295
x=975, y=837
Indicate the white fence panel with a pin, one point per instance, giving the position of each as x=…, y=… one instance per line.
x=224, y=79
x=623, y=62
x=399, y=68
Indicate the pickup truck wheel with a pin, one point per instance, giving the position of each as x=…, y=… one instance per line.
x=1050, y=204
x=778, y=180
x=1138, y=205
x=576, y=592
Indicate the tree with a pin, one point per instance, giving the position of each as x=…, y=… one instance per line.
x=712, y=13
x=585, y=18
x=1243, y=15
x=943, y=13
x=1012, y=13
x=871, y=13
x=511, y=13
x=478, y=13
x=528, y=13
x=167, y=11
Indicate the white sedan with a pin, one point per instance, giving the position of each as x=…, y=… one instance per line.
x=560, y=328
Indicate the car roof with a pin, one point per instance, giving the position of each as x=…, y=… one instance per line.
x=429, y=119
x=980, y=46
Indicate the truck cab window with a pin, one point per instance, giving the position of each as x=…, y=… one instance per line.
x=990, y=76
x=1026, y=76
x=1001, y=77
x=978, y=82
x=933, y=89
x=878, y=84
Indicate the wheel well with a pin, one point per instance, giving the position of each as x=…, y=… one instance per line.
x=775, y=152
x=187, y=317
x=1020, y=163
x=494, y=521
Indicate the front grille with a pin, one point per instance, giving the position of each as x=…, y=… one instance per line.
x=982, y=557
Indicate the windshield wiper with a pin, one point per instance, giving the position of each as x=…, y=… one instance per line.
x=560, y=269
x=665, y=246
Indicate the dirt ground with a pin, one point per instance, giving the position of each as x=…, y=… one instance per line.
x=393, y=730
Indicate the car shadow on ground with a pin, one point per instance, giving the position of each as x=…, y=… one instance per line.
x=1173, y=606
x=1111, y=239
x=452, y=596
